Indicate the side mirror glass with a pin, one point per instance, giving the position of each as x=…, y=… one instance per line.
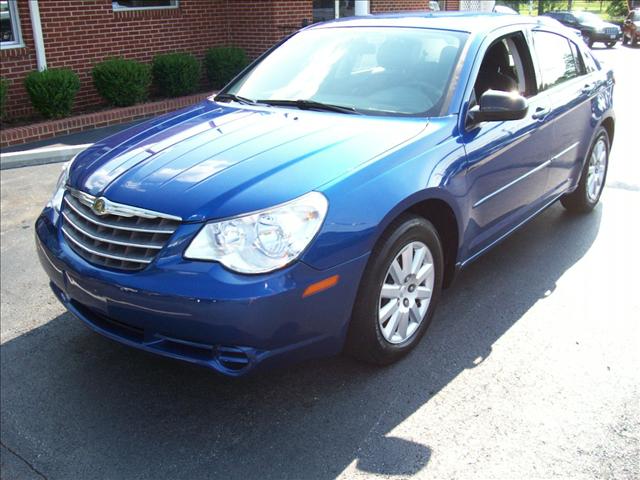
x=498, y=106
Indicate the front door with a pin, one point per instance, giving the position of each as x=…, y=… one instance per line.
x=507, y=161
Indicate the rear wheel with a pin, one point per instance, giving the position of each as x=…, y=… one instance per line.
x=398, y=293
x=634, y=42
x=594, y=174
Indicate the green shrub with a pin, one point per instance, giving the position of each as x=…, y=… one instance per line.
x=224, y=63
x=176, y=74
x=122, y=82
x=4, y=88
x=52, y=91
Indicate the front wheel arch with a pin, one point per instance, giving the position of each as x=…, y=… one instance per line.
x=442, y=215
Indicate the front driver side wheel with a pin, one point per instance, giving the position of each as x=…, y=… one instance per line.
x=398, y=293
x=594, y=174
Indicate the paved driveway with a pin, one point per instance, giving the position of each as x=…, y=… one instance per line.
x=531, y=368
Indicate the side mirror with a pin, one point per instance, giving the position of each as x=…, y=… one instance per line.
x=498, y=106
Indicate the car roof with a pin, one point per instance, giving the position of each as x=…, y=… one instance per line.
x=471, y=22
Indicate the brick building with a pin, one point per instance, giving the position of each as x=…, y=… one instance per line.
x=36, y=34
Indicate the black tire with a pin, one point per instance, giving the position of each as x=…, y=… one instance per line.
x=365, y=340
x=634, y=42
x=578, y=201
x=611, y=44
x=587, y=39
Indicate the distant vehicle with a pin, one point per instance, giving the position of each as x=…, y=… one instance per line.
x=631, y=28
x=593, y=28
x=546, y=20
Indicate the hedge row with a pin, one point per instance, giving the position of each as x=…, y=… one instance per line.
x=124, y=82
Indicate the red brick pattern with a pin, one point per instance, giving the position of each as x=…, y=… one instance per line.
x=16, y=63
x=452, y=5
x=257, y=24
x=380, y=6
x=40, y=131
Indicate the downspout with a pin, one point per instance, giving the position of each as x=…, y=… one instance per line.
x=36, y=26
x=362, y=7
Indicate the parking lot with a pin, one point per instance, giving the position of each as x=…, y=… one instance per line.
x=530, y=370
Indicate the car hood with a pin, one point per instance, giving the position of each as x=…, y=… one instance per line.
x=603, y=24
x=214, y=160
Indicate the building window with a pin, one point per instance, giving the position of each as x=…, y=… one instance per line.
x=144, y=4
x=324, y=10
x=9, y=25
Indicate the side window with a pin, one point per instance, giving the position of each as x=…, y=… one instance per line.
x=578, y=59
x=556, y=60
x=506, y=66
x=589, y=62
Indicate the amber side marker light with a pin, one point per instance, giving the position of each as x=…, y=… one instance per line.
x=321, y=286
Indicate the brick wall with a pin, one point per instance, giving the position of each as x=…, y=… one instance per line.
x=80, y=33
x=16, y=63
x=256, y=25
x=452, y=5
x=380, y=6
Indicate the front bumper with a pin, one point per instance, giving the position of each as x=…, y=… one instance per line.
x=606, y=37
x=200, y=312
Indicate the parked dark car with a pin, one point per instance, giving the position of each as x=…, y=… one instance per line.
x=593, y=28
x=324, y=198
x=631, y=28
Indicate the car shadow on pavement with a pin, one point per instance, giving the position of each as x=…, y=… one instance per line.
x=78, y=405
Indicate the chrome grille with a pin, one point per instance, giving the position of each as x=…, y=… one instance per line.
x=122, y=237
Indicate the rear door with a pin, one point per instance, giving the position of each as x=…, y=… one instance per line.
x=563, y=75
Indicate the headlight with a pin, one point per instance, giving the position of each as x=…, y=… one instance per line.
x=261, y=241
x=58, y=193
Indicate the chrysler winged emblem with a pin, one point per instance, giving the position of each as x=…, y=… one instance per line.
x=99, y=206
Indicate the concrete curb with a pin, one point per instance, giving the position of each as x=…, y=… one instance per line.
x=40, y=156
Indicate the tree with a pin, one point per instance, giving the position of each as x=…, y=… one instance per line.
x=618, y=8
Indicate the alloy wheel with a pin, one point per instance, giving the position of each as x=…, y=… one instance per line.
x=597, y=170
x=406, y=293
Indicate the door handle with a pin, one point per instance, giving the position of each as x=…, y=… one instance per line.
x=540, y=113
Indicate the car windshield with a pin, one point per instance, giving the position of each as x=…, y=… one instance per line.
x=377, y=71
x=588, y=17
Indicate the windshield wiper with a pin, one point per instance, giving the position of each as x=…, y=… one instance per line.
x=226, y=97
x=309, y=105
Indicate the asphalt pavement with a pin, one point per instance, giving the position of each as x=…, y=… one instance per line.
x=531, y=368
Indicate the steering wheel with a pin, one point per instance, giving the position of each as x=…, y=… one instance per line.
x=429, y=90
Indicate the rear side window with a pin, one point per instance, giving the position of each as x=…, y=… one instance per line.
x=555, y=58
x=589, y=62
x=582, y=69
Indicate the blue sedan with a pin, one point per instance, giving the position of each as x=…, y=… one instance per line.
x=325, y=197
